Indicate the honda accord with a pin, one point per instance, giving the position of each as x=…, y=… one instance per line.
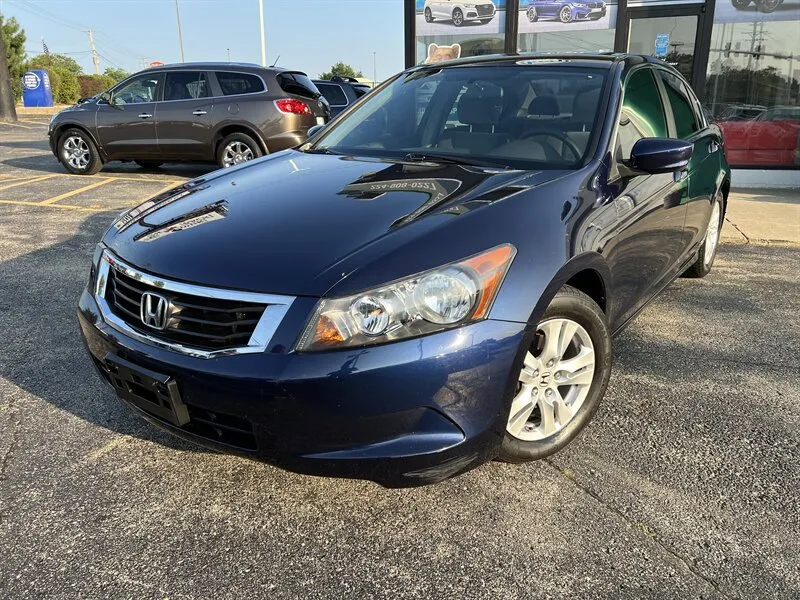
x=430, y=282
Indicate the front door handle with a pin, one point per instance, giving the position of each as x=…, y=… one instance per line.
x=713, y=146
x=198, y=113
x=681, y=175
x=145, y=115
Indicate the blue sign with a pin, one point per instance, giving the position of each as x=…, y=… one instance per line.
x=662, y=45
x=36, y=89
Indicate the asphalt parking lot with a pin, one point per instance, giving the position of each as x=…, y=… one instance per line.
x=686, y=485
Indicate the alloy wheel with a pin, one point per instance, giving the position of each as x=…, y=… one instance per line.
x=554, y=382
x=566, y=14
x=458, y=17
x=532, y=16
x=428, y=15
x=236, y=153
x=712, y=236
x=76, y=152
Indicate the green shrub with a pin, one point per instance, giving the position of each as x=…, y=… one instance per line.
x=91, y=85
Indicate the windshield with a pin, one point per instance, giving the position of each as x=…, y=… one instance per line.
x=521, y=117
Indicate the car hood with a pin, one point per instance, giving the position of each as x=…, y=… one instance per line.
x=285, y=224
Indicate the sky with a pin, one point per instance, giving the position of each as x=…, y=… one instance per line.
x=309, y=35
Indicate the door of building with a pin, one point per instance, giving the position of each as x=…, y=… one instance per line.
x=672, y=33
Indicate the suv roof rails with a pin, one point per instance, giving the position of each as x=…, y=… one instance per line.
x=340, y=78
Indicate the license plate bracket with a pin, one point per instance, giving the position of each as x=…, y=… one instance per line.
x=153, y=392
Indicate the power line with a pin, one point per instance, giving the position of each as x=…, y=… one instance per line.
x=40, y=12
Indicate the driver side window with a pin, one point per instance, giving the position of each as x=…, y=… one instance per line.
x=642, y=114
x=140, y=90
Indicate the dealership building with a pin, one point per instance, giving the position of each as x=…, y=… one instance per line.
x=742, y=57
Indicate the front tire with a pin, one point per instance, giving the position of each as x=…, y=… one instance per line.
x=237, y=148
x=149, y=164
x=458, y=17
x=708, y=249
x=562, y=381
x=428, y=15
x=565, y=14
x=739, y=4
x=768, y=6
x=78, y=154
x=532, y=16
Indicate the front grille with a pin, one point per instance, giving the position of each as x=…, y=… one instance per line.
x=594, y=4
x=485, y=10
x=194, y=321
x=222, y=428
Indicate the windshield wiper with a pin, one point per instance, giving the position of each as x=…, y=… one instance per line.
x=320, y=151
x=452, y=160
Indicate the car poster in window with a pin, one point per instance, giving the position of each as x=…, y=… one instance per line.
x=561, y=16
x=756, y=11
x=455, y=17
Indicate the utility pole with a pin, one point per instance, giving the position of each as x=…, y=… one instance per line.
x=263, y=39
x=8, y=112
x=95, y=57
x=180, y=35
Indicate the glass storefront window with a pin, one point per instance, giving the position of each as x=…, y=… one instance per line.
x=753, y=84
x=447, y=29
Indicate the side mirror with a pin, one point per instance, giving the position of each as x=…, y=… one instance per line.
x=660, y=155
x=312, y=131
x=108, y=98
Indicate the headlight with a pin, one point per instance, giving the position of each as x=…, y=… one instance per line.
x=98, y=254
x=438, y=299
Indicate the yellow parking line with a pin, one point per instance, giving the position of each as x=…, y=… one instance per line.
x=85, y=188
x=34, y=180
x=15, y=125
x=66, y=206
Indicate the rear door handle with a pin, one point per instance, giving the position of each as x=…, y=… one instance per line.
x=198, y=113
x=145, y=116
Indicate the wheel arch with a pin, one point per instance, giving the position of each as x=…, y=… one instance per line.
x=229, y=128
x=588, y=273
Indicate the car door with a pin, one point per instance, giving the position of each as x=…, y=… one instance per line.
x=645, y=240
x=686, y=123
x=126, y=125
x=184, y=123
x=547, y=8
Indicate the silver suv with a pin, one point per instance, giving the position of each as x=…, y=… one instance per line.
x=222, y=112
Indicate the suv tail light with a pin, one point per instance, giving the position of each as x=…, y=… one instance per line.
x=292, y=106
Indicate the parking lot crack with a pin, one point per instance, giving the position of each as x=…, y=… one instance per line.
x=6, y=459
x=569, y=475
x=736, y=227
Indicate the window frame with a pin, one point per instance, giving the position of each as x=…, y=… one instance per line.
x=162, y=95
x=700, y=121
x=159, y=75
x=215, y=72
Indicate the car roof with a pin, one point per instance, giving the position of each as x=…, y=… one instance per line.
x=595, y=59
x=223, y=66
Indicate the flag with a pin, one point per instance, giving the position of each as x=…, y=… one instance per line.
x=45, y=49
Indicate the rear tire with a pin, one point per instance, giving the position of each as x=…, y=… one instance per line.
x=237, y=148
x=560, y=386
x=149, y=164
x=708, y=249
x=78, y=154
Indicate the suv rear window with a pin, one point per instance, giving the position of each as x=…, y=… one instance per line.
x=298, y=84
x=233, y=84
x=333, y=93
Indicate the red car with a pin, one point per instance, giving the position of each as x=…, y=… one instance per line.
x=772, y=139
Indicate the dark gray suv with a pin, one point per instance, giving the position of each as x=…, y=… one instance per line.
x=223, y=112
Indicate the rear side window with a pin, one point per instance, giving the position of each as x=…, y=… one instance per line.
x=298, y=84
x=361, y=90
x=642, y=114
x=333, y=93
x=234, y=84
x=186, y=85
x=685, y=118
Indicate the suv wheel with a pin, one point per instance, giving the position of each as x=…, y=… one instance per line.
x=562, y=381
x=768, y=6
x=532, y=16
x=78, y=154
x=458, y=17
x=237, y=148
x=428, y=15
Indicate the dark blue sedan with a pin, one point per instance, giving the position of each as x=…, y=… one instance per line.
x=565, y=11
x=430, y=282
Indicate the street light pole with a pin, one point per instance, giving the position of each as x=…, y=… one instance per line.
x=263, y=40
x=374, y=69
x=180, y=35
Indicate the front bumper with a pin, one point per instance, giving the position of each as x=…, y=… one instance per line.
x=402, y=414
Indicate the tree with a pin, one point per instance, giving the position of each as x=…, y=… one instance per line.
x=14, y=37
x=342, y=70
x=63, y=72
x=115, y=74
x=91, y=85
x=8, y=111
